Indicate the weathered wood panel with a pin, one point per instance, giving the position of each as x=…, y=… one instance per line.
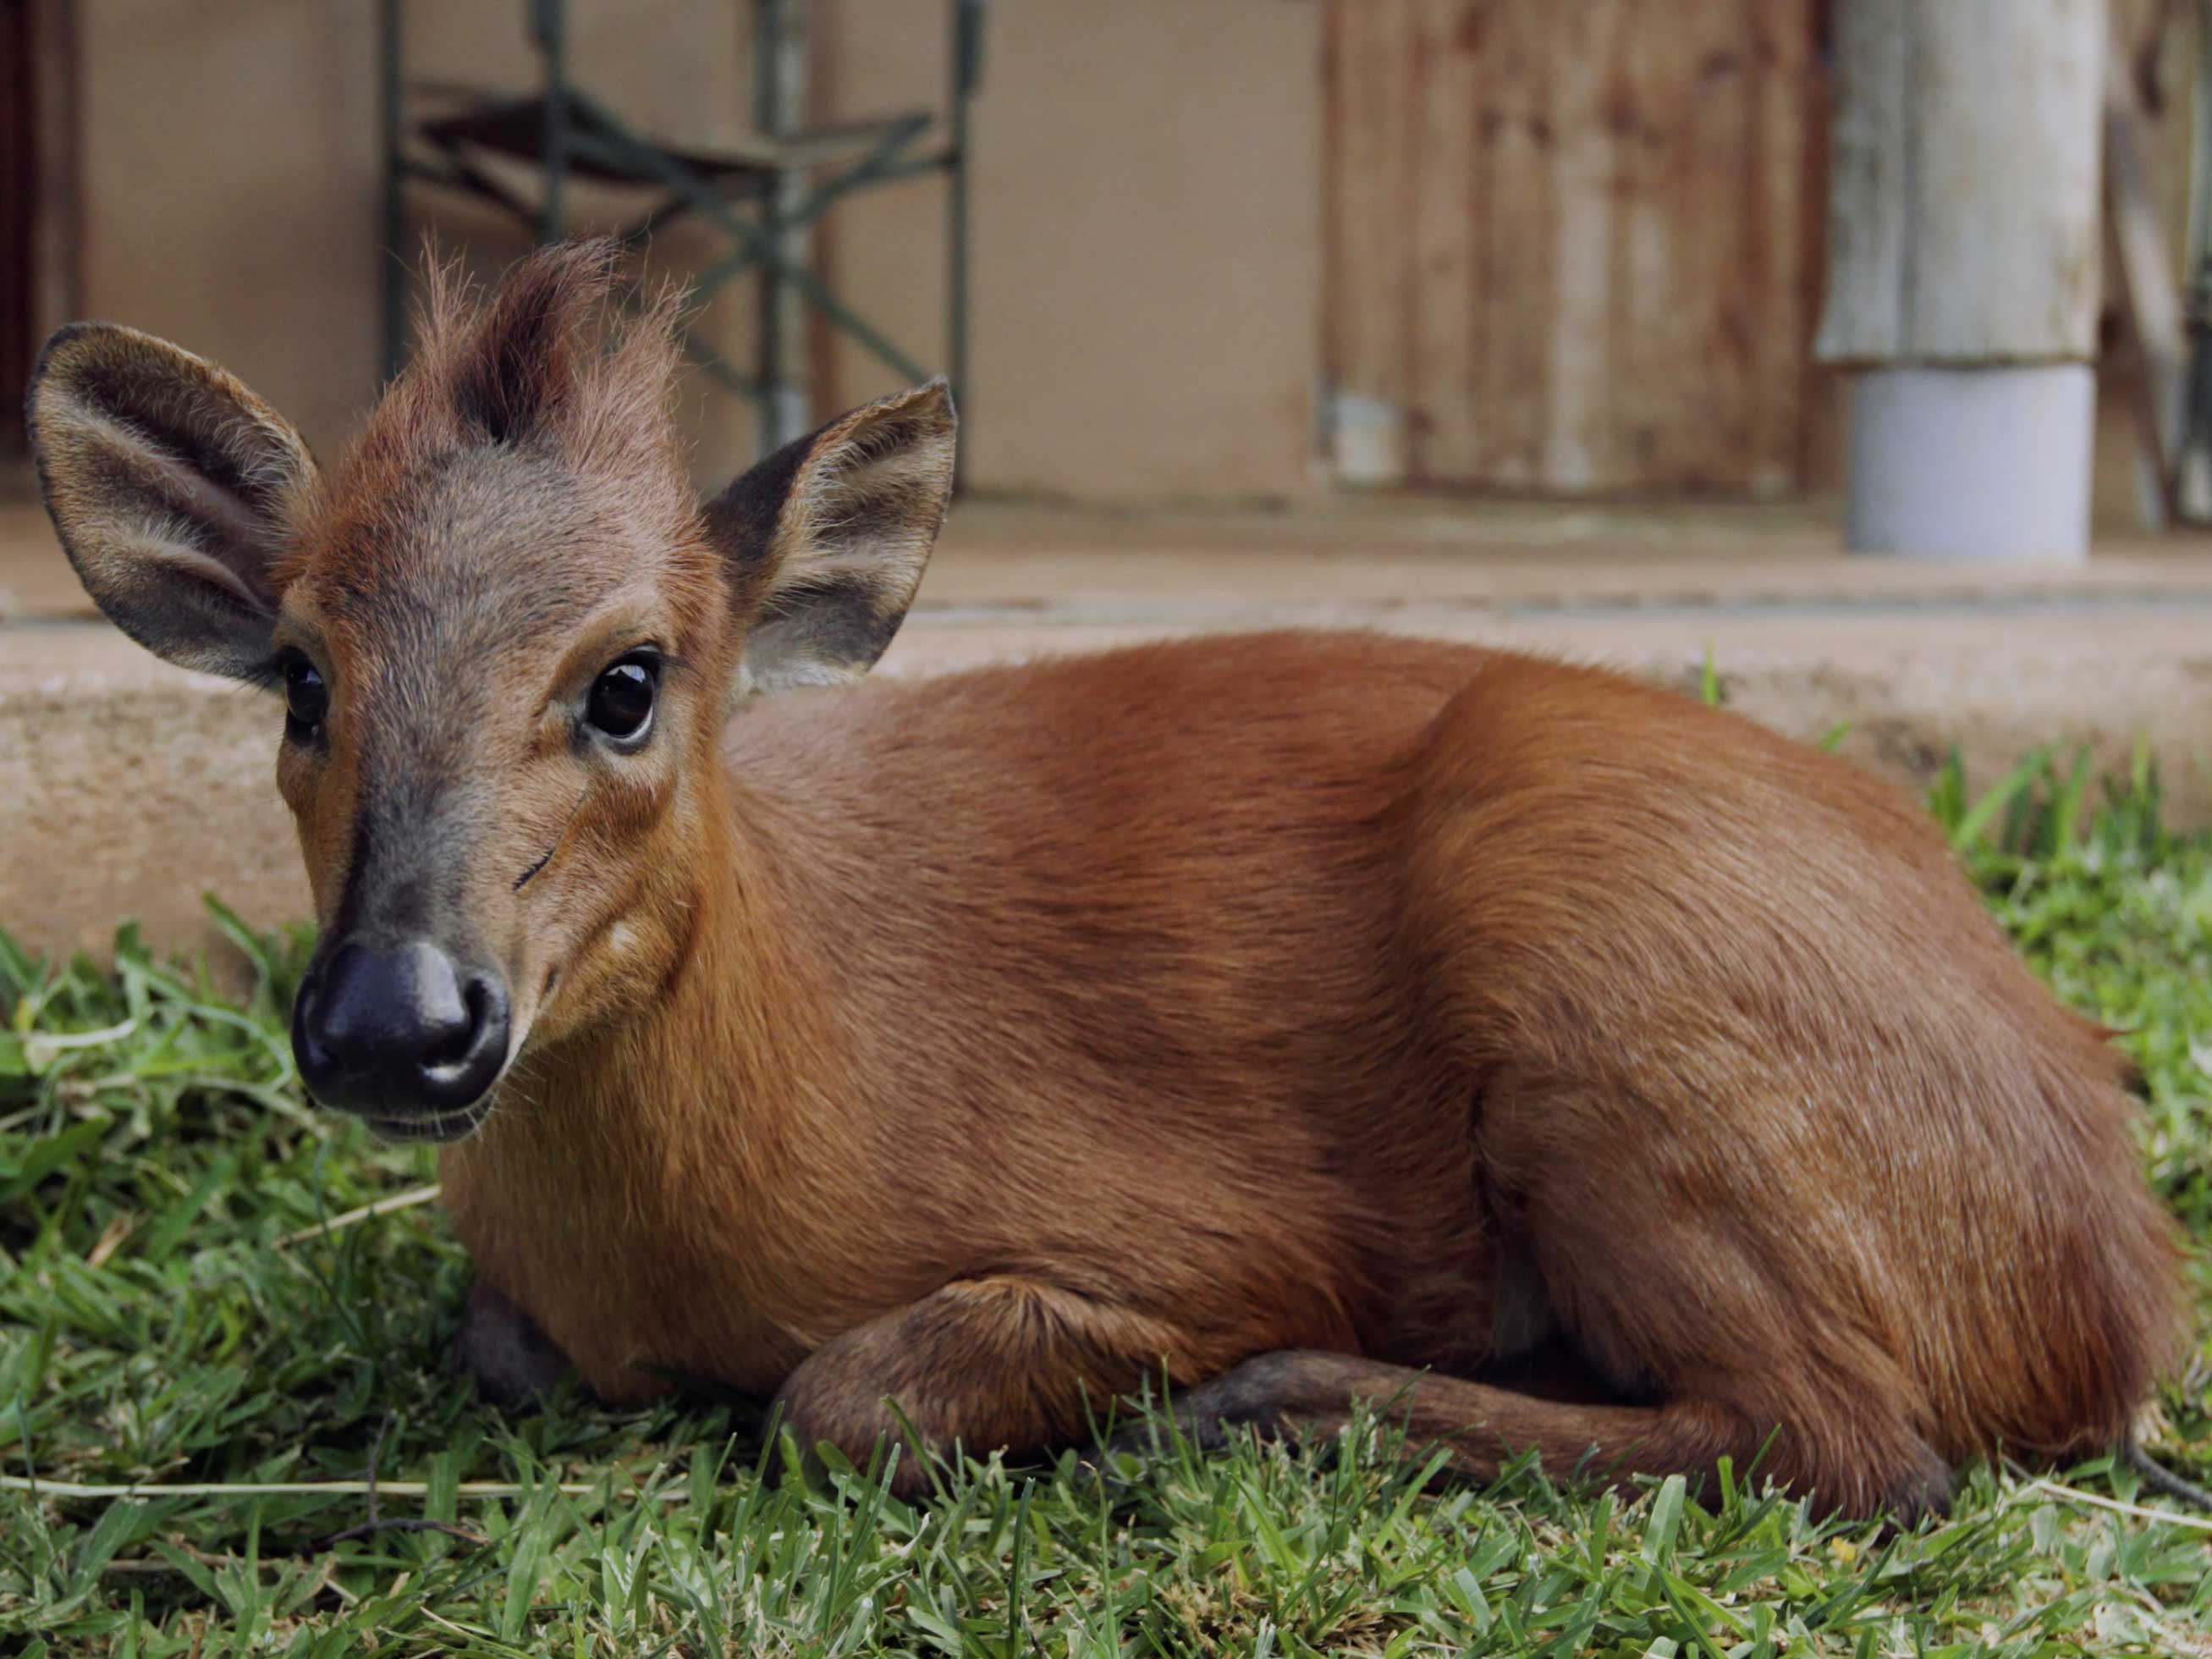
x=1446, y=344
x=1572, y=243
x=1373, y=143
x=1512, y=290
x=1580, y=180
x=1965, y=206
x=1788, y=189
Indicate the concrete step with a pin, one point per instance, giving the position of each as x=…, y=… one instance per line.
x=129, y=788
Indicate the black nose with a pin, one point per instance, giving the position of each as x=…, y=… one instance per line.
x=404, y=1036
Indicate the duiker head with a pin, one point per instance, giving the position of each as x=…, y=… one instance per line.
x=506, y=633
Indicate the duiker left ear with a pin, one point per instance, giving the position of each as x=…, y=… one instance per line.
x=827, y=538
x=171, y=487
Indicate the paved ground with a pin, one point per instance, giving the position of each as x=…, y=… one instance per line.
x=127, y=787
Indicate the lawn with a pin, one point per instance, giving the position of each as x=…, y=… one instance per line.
x=194, y=1305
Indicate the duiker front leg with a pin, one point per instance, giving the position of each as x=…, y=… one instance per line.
x=988, y=1362
x=512, y=1360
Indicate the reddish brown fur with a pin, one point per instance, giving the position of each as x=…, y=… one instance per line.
x=1290, y=1012
x=1289, y=992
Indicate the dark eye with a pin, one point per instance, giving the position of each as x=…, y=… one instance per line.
x=307, y=699
x=621, y=703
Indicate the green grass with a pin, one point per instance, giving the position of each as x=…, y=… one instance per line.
x=156, y=1328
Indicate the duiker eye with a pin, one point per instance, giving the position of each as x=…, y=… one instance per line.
x=307, y=699
x=621, y=702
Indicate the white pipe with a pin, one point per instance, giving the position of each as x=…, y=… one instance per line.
x=1971, y=463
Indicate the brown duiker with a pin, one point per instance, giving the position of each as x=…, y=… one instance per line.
x=1299, y=1018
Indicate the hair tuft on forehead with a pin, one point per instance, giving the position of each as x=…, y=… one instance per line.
x=517, y=365
x=545, y=358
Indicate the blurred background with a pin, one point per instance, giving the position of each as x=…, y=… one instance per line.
x=1541, y=322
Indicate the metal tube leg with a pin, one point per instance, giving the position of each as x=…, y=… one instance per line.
x=780, y=87
x=552, y=31
x=392, y=259
x=967, y=66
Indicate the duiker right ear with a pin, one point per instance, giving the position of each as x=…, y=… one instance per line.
x=827, y=538
x=171, y=487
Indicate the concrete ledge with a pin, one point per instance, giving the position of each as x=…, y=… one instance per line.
x=128, y=788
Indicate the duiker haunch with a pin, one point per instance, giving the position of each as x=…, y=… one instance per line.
x=1299, y=1016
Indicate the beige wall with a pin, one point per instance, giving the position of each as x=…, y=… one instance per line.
x=228, y=168
x=1146, y=210
x=231, y=185
x=1146, y=235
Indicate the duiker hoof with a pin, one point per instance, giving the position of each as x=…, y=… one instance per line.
x=512, y=1362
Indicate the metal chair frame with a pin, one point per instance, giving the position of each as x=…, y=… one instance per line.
x=756, y=197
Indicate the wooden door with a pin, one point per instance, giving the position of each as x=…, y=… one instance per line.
x=1573, y=244
x=18, y=176
x=37, y=225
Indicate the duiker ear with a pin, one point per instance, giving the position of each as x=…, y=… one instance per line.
x=171, y=487
x=827, y=538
